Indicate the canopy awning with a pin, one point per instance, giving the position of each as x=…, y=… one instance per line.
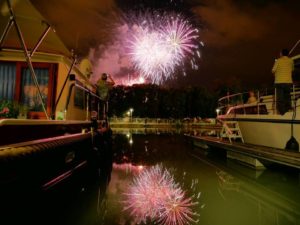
x=32, y=25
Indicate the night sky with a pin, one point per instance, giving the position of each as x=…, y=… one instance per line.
x=242, y=38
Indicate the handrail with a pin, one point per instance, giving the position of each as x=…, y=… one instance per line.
x=232, y=95
x=230, y=100
x=89, y=92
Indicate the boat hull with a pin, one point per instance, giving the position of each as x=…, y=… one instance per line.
x=267, y=130
x=43, y=163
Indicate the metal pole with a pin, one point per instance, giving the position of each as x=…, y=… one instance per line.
x=87, y=105
x=6, y=30
x=63, y=87
x=27, y=58
x=275, y=100
x=293, y=48
x=40, y=40
x=258, y=101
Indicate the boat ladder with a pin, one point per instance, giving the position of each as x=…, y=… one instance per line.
x=231, y=130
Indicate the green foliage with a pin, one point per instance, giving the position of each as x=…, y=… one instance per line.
x=8, y=109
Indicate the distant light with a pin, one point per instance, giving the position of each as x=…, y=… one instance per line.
x=131, y=141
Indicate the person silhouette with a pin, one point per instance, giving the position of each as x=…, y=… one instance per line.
x=104, y=86
x=282, y=70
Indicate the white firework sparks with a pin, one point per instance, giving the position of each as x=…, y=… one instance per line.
x=158, y=45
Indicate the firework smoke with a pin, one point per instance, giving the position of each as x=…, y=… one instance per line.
x=155, y=196
x=148, y=47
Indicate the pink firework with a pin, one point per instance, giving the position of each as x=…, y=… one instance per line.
x=159, y=44
x=155, y=196
x=180, y=36
x=146, y=193
x=178, y=210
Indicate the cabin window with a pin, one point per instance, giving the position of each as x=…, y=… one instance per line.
x=17, y=85
x=79, y=98
x=29, y=91
x=7, y=80
x=93, y=103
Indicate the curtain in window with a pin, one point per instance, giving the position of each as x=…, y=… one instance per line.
x=29, y=94
x=7, y=80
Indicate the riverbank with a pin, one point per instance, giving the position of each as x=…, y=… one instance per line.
x=161, y=123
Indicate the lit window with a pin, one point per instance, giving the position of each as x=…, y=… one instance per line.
x=29, y=91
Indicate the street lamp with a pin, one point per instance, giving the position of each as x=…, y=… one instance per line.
x=131, y=110
x=130, y=141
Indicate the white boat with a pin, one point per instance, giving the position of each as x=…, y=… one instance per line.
x=49, y=124
x=259, y=123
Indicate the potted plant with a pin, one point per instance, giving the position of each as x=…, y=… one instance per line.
x=8, y=109
x=23, y=110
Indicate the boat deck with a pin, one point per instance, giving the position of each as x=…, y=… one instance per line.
x=280, y=156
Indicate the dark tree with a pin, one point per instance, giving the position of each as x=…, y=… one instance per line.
x=152, y=101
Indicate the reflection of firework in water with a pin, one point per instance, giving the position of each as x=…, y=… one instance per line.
x=159, y=44
x=154, y=195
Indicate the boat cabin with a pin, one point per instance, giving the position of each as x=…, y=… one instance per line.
x=48, y=106
x=39, y=77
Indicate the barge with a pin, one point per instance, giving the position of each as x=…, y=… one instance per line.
x=50, y=127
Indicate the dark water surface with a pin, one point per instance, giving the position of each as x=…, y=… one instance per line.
x=218, y=191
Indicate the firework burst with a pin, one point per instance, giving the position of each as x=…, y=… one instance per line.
x=155, y=196
x=159, y=44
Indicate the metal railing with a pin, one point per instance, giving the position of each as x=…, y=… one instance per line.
x=88, y=93
x=266, y=98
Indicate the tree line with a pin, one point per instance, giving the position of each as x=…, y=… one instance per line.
x=153, y=101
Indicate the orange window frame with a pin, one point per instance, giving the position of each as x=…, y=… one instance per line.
x=52, y=71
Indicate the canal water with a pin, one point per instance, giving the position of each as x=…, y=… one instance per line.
x=161, y=178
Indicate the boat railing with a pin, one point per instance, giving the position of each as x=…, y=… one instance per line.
x=295, y=96
x=265, y=103
x=270, y=99
x=88, y=94
x=230, y=100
